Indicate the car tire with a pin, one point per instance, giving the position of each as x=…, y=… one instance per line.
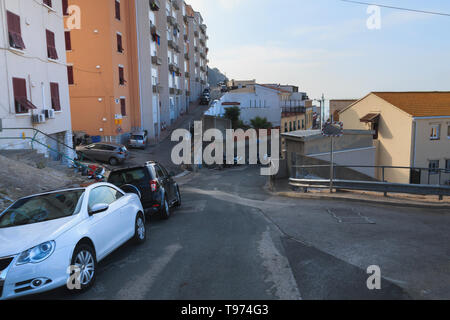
x=84, y=255
x=140, y=231
x=113, y=161
x=178, y=202
x=165, y=209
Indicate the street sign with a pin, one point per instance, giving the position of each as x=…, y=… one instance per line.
x=333, y=129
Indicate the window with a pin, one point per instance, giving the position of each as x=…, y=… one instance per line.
x=68, y=40
x=448, y=131
x=54, y=90
x=434, y=165
x=447, y=166
x=122, y=80
x=14, y=31
x=103, y=195
x=70, y=74
x=65, y=7
x=21, y=103
x=285, y=127
x=117, y=9
x=123, y=107
x=435, y=132
x=51, y=47
x=119, y=43
x=48, y=3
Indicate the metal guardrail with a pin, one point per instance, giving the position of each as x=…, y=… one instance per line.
x=384, y=187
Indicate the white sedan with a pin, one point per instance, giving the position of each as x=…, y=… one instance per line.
x=56, y=239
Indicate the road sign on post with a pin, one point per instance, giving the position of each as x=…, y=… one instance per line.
x=332, y=129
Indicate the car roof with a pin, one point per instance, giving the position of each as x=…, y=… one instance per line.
x=148, y=163
x=139, y=133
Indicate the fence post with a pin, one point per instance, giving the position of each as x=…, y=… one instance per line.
x=385, y=193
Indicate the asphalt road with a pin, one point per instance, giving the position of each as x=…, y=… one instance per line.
x=233, y=240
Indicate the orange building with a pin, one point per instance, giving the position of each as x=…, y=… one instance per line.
x=103, y=72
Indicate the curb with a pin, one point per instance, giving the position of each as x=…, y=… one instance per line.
x=371, y=201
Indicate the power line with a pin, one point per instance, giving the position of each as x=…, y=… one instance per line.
x=398, y=8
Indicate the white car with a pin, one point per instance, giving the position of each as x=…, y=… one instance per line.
x=56, y=239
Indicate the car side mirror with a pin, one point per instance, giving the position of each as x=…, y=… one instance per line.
x=98, y=208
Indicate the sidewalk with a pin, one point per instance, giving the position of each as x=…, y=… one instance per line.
x=282, y=188
x=195, y=113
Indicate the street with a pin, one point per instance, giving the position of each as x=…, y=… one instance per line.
x=232, y=240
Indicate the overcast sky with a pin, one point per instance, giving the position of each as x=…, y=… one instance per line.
x=324, y=46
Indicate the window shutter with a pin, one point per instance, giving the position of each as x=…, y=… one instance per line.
x=14, y=31
x=117, y=10
x=123, y=107
x=119, y=43
x=65, y=7
x=54, y=90
x=68, y=40
x=51, y=48
x=20, y=93
x=70, y=74
x=121, y=76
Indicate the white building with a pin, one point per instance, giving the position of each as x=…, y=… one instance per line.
x=34, y=89
x=257, y=101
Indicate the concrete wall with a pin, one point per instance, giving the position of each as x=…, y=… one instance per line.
x=33, y=65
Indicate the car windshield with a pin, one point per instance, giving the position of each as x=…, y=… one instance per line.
x=42, y=208
x=135, y=176
x=137, y=137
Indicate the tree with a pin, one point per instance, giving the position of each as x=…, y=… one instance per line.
x=260, y=123
x=233, y=114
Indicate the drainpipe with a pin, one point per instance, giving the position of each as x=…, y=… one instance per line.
x=414, y=143
x=6, y=35
x=139, y=66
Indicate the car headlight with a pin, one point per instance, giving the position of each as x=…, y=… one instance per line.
x=37, y=254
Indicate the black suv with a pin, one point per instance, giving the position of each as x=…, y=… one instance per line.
x=159, y=192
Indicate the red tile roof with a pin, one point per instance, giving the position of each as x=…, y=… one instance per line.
x=419, y=104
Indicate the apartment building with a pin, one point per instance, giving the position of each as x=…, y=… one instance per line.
x=412, y=129
x=139, y=75
x=34, y=90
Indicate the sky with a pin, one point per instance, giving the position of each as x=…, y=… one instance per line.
x=325, y=46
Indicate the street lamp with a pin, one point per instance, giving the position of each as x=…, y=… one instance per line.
x=322, y=111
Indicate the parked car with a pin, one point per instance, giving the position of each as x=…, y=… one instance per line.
x=48, y=237
x=138, y=140
x=204, y=100
x=160, y=193
x=112, y=153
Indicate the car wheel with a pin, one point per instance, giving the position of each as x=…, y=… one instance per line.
x=84, y=258
x=165, y=210
x=140, y=233
x=178, y=203
x=113, y=161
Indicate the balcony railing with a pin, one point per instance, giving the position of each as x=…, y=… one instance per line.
x=155, y=5
x=156, y=60
x=203, y=28
x=288, y=110
x=187, y=75
x=171, y=44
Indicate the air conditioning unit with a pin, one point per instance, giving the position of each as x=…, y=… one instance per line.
x=49, y=113
x=38, y=118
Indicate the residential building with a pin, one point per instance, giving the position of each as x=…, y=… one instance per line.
x=34, y=90
x=337, y=106
x=239, y=84
x=412, y=129
x=138, y=74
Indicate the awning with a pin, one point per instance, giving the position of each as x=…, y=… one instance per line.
x=371, y=118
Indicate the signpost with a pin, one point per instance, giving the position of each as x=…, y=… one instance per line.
x=332, y=129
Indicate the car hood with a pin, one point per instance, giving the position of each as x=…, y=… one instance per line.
x=15, y=240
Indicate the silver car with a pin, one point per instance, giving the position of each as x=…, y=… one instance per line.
x=112, y=153
x=138, y=140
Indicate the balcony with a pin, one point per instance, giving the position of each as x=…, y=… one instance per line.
x=156, y=88
x=188, y=93
x=173, y=67
x=187, y=75
x=203, y=55
x=197, y=79
x=172, y=90
x=202, y=41
x=155, y=5
x=203, y=28
x=293, y=110
x=196, y=48
x=154, y=31
x=203, y=82
x=203, y=68
x=171, y=21
x=176, y=4
x=177, y=48
x=197, y=64
x=185, y=18
x=178, y=92
x=171, y=44
x=156, y=60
